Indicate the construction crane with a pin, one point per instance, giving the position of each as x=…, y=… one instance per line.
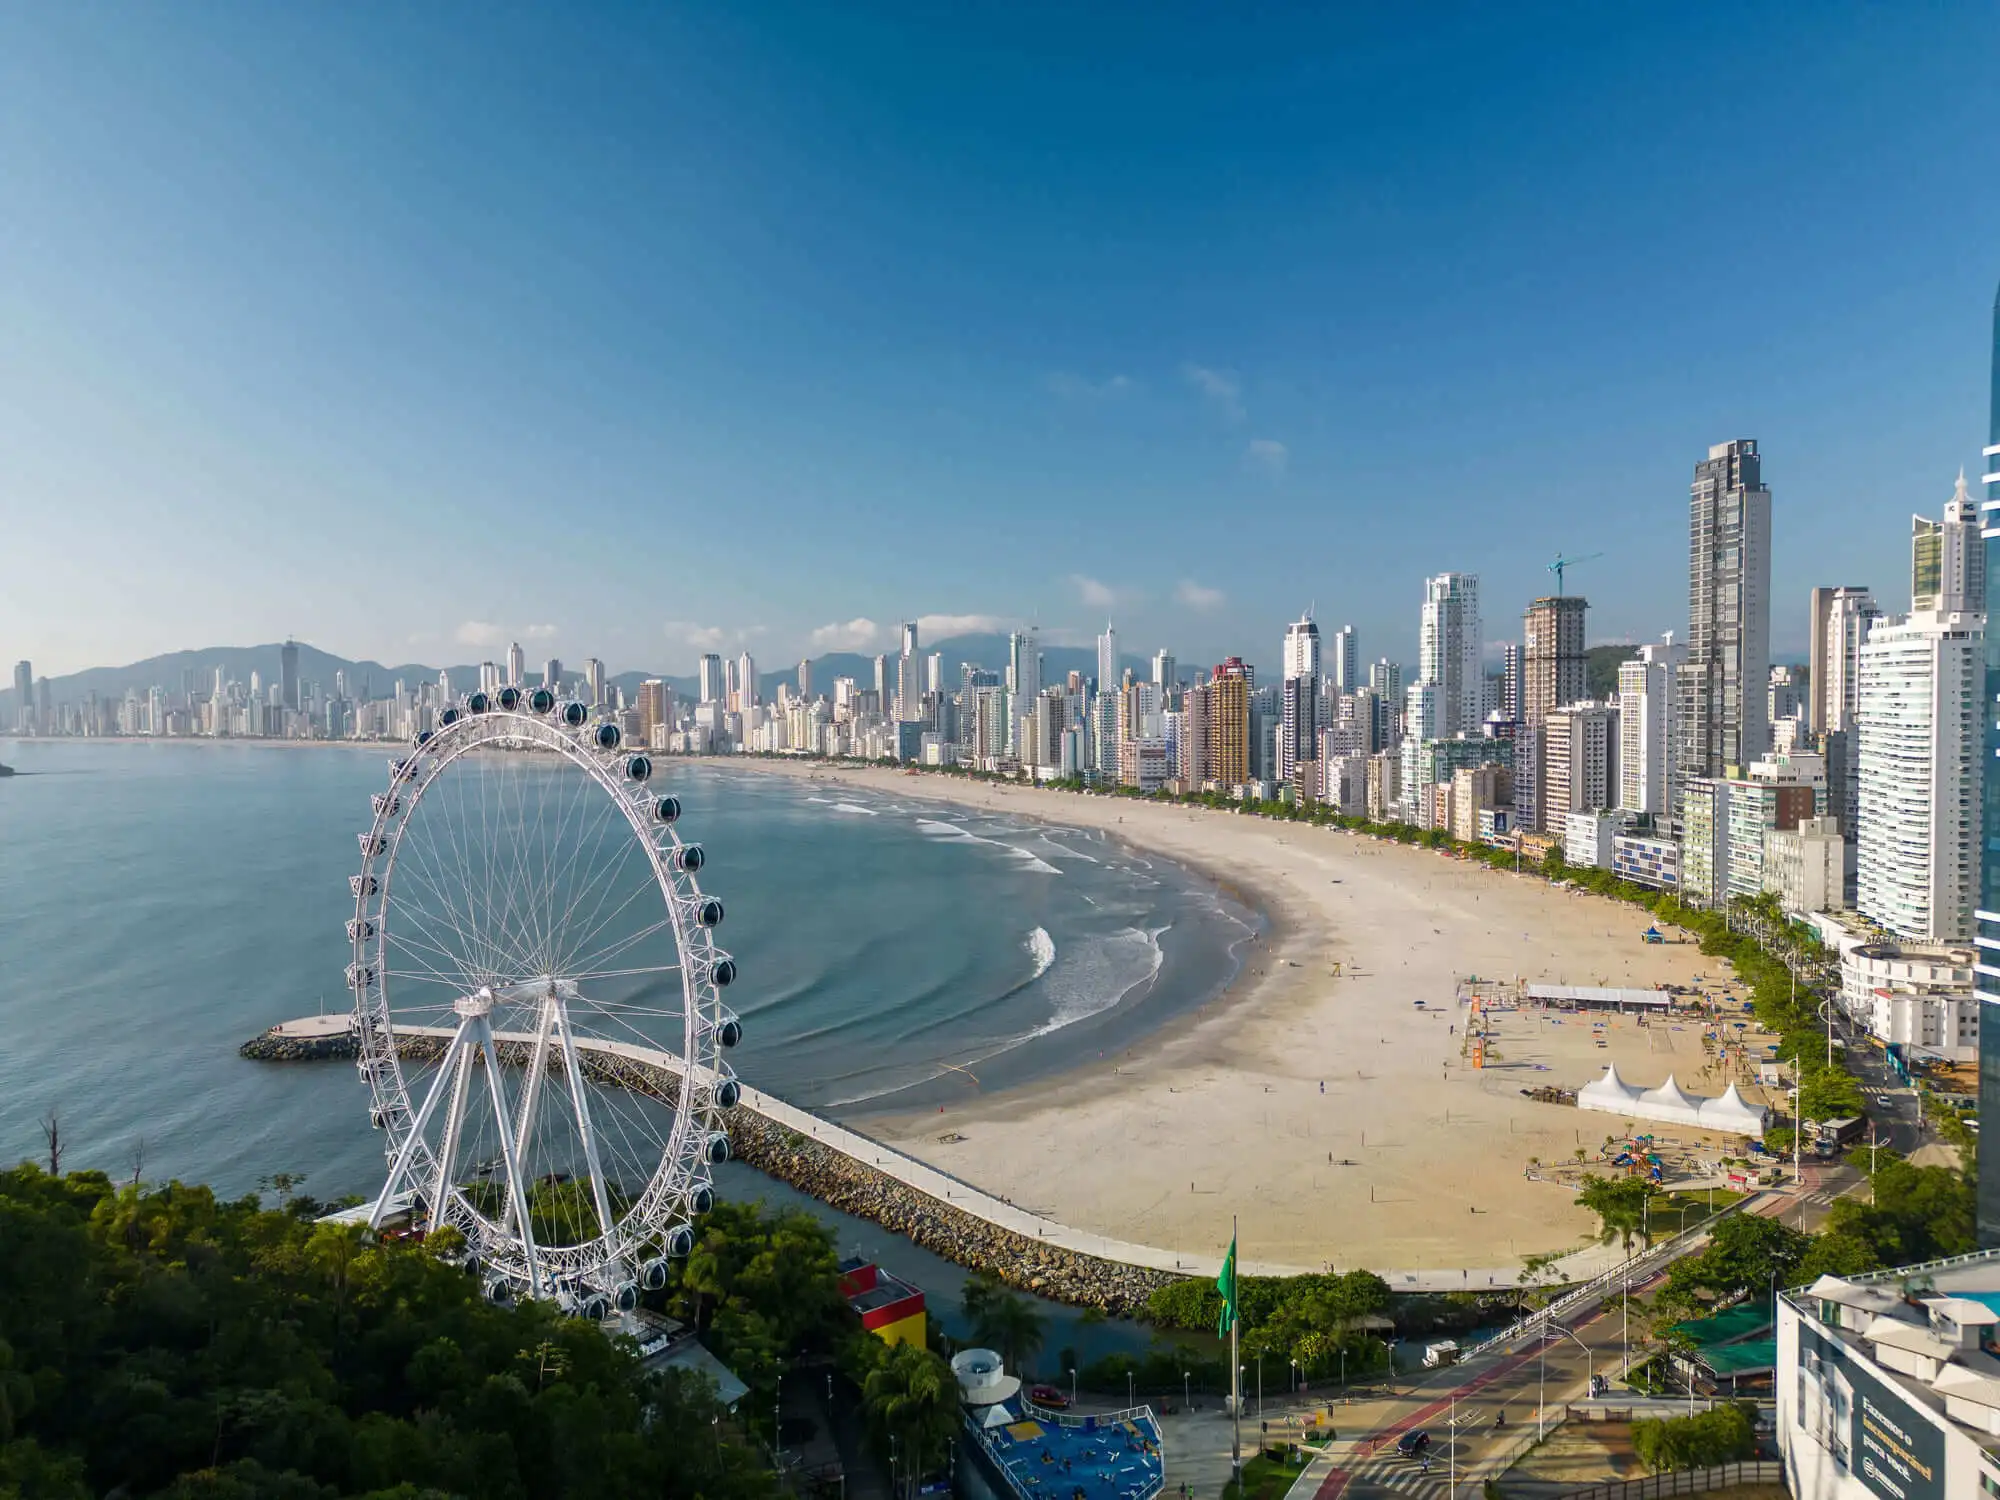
x=1562, y=562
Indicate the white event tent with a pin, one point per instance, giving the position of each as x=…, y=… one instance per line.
x=1673, y=1105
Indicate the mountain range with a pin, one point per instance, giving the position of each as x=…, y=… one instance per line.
x=238, y=662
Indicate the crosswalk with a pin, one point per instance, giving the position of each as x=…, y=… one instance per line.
x=1393, y=1475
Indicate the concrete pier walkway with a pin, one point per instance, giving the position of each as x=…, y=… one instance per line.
x=916, y=1175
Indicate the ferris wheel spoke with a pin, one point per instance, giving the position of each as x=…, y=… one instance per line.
x=638, y=973
x=437, y=911
x=572, y=888
x=600, y=882
x=571, y=960
x=567, y=849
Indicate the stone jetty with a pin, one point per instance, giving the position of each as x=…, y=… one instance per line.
x=834, y=1175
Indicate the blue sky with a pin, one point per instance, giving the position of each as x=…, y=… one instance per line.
x=639, y=330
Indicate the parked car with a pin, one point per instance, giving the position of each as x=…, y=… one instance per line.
x=1883, y=1101
x=1048, y=1395
x=1413, y=1442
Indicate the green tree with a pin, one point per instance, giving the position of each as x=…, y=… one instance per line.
x=912, y=1396
x=1718, y=1436
x=1009, y=1324
x=1622, y=1207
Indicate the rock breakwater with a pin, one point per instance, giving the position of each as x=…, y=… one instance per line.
x=832, y=1176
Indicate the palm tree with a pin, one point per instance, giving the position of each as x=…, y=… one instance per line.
x=912, y=1396
x=1009, y=1324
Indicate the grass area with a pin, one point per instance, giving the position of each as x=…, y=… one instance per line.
x=1263, y=1479
x=1672, y=1212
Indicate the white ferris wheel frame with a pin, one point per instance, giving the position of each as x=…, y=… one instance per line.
x=658, y=1222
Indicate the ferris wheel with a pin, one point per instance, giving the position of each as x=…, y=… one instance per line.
x=537, y=1000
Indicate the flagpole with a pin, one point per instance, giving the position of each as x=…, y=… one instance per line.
x=1235, y=1375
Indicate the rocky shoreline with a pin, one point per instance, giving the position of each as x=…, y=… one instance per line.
x=840, y=1182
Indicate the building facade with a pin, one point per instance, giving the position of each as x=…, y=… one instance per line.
x=1554, y=669
x=1646, y=742
x=1449, y=644
x=1722, y=699
x=1920, y=774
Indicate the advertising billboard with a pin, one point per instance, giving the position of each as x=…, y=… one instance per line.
x=1892, y=1445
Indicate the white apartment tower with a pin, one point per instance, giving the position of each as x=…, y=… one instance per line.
x=1344, y=661
x=1449, y=648
x=1721, y=711
x=711, y=687
x=1646, y=741
x=1917, y=865
x=1107, y=660
x=746, y=682
x=517, y=670
x=1947, y=561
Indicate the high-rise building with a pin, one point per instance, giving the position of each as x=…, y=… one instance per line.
x=654, y=719
x=1449, y=646
x=1298, y=733
x=806, y=679
x=517, y=666
x=1722, y=693
x=1165, y=670
x=746, y=682
x=934, y=672
x=1840, y=620
x=1107, y=659
x=909, y=633
x=24, y=696
x=1024, y=677
x=1554, y=669
x=552, y=673
x=1229, y=723
x=1646, y=741
x=1510, y=681
x=1986, y=971
x=882, y=678
x=1580, y=744
x=1344, y=660
x=711, y=686
x=1197, y=738
x=288, y=674
x=593, y=674
x=1386, y=678
x=1947, y=567
x=1920, y=783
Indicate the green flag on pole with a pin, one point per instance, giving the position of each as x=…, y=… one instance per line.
x=1226, y=1284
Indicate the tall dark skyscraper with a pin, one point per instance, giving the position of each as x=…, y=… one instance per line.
x=288, y=668
x=1986, y=916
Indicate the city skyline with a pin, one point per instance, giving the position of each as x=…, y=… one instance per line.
x=583, y=359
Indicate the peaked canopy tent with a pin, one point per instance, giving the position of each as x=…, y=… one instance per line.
x=1730, y=1114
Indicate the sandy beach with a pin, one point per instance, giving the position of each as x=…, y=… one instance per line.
x=1337, y=1120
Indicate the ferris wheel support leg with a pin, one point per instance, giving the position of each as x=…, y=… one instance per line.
x=515, y=1188
x=461, y=1085
x=531, y=1085
x=582, y=1102
x=401, y=1166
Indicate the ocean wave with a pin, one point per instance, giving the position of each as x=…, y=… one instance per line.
x=854, y=807
x=1029, y=859
x=1043, y=948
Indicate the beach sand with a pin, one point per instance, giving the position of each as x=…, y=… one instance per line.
x=1319, y=1051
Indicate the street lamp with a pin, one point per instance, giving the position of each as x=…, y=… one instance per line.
x=1072, y=1385
x=1187, y=1390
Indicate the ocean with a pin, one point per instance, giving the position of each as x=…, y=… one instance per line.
x=161, y=903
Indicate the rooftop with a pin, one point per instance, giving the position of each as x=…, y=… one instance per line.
x=1931, y=1328
x=1080, y=1459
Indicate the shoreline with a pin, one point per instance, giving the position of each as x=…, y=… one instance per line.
x=1340, y=1031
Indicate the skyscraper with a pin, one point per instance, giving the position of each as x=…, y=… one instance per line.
x=288, y=674
x=1298, y=731
x=1646, y=739
x=1554, y=670
x=1920, y=774
x=1229, y=723
x=593, y=674
x=1107, y=659
x=1449, y=648
x=552, y=673
x=806, y=679
x=653, y=713
x=1165, y=670
x=1986, y=970
x=1723, y=692
x=1344, y=660
x=1510, y=680
x=517, y=665
x=24, y=696
x=711, y=687
x=1947, y=568
x=1840, y=620
x=746, y=682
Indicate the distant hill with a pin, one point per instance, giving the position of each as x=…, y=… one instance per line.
x=1604, y=662
x=238, y=662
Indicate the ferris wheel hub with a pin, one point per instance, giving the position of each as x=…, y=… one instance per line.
x=479, y=1003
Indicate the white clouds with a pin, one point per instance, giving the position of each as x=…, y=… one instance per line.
x=1267, y=456
x=1092, y=592
x=1198, y=596
x=856, y=634
x=709, y=637
x=1223, y=390
x=487, y=635
x=937, y=627
x=1073, y=387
